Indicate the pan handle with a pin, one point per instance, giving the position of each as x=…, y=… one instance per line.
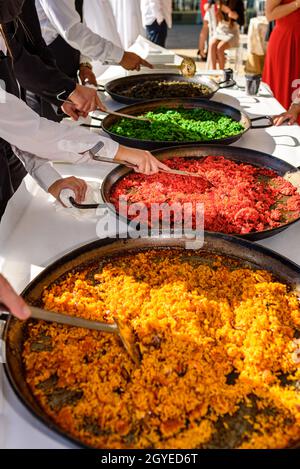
x=101, y=88
x=82, y=206
x=263, y=126
x=3, y=319
x=90, y=126
x=227, y=83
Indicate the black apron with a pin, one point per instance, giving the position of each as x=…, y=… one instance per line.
x=12, y=170
x=67, y=60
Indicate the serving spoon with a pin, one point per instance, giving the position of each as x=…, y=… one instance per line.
x=187, y=67
x=118, y=328
x=93, y=153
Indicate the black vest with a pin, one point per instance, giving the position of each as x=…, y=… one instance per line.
x=67, y=58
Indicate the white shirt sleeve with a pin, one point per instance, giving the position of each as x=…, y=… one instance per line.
x=65, y=19
x=23, y=128
x=41, y=170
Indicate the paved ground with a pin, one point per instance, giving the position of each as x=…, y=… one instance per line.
x=183, y=36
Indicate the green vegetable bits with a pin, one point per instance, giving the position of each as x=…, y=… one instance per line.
x=179, y=125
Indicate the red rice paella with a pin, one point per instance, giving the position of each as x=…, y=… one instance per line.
x=238, y=198
x=220, y=354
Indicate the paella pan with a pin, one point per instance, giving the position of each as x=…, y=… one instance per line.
x=179, y=121
x=244, y=192
x=82, y=386
x=132, y=89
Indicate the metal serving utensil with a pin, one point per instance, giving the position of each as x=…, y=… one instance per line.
x=119, y=328
x=126, y=116
x=102, y=159
x=108, y=111
x=187, y=67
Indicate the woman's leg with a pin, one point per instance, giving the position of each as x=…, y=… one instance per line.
x=213, y=45
x=222, y=46
x=203, y=38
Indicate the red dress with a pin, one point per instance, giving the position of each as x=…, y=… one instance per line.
x=282, y=65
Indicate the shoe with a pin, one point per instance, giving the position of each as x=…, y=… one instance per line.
x=202, y=57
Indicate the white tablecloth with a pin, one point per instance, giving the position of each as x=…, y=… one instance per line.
x=33, y=234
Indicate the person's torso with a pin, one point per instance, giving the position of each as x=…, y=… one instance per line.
x=291, y=21
x=148, y=11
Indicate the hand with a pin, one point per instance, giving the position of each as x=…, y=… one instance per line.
x=71, y=111
x=14, y=303
x=87, y=76
x=85, y=100
x=78, y=186
x=289, y=117
x=131, y=61
x=144, y=161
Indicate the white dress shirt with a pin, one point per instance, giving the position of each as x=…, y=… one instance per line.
x=34, y=135
x=158, y=10
x=99, y=17
x=59, y=17
x=128, y=17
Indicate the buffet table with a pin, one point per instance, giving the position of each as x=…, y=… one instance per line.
x=33, y=233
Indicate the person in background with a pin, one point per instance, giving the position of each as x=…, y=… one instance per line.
x=282, y=64
x=231, y=16
x=157, y=18
x=99, y=16
x=128, y=17
x=74, y=45
x=203, y=36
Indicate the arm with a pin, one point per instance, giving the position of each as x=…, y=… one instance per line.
x=275, y=11
x=41, y=170
x=65, y=19
x=23, y=128
x=49, y=179
x=289, y=117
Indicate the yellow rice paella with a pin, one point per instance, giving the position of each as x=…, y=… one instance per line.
x=220, y=354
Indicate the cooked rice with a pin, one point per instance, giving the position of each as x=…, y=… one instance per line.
x=217, y=342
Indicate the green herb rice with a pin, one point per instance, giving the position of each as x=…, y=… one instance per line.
x=179, y=125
